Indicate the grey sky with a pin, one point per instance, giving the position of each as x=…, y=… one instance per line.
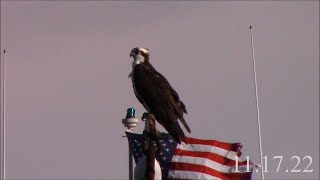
x=68, y=88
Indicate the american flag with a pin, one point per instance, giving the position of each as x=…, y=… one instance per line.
x=199, y=159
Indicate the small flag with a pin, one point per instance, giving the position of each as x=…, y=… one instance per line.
x=198, y=159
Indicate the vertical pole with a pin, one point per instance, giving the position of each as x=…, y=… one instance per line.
x=130, y=158
x=2, y=104
x=257, y=102
x=1, y=121
x=130, y=122
x=130, y=163
x=2, y=114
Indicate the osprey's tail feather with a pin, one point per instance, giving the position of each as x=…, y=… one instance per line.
x=183, y=107
x=176, y=132
x=180, y=108
x=185, y=124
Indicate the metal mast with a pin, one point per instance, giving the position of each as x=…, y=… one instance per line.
x=257, y=102
x=2, y=117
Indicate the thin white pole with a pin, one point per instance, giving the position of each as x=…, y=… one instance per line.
x=1, y=121
x=3, y=139
x=2, y=106
x=130, y=158
x=257, y=102
x=130, y=163
x=130, y=122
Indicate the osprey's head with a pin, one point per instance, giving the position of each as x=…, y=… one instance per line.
x=139, y=55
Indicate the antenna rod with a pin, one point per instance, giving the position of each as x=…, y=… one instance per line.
x=257, y=102
x=2, y=116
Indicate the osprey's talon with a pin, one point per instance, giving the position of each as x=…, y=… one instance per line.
x=144, y=116
x=151, y=116
x=147, y=115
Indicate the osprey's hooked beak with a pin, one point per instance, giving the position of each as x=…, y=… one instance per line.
x=131, y=54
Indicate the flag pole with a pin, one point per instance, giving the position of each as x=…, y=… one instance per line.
x=257, y=101
x=130, y=159
x=130, y=122
x=2, y=84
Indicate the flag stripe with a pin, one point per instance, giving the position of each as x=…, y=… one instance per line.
x=184, y=175
x=207, y=148
x=202, y=169
x=211, y=156
x=227, y=146
x=206, y=162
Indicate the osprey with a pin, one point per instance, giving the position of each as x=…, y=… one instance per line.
x=156, y=94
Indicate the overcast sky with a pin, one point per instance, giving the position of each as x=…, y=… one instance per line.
x=67, y=85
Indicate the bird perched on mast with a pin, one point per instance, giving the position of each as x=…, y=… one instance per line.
x=156, y=94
